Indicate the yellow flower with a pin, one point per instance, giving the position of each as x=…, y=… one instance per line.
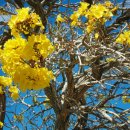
x=108, y=3
x=21, y=16
x=24, y=22
x=124, y=38
x=16, y=44
x=74, y=17
x=15, y=96
x=13, y=89
x=5, y=81
x=89, y=29
x=17, y=57
x=46, y=103
x=18, y=117
x=1, y=124
x=33, y=78
x=126, y=99
x=98, y=11
x=121, y=39
x=36, y=21
x=59, y=19
x=23, y=59
x=114, y=9
x=11, y=55
x=38, y=45
x=83, y=8
x=96, y=35
x=97, y=14
x=110, y=60
x=84, y=5
x=14, y=92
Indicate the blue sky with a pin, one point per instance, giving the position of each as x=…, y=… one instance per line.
x=2, y=2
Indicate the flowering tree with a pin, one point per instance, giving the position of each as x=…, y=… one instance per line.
x=65, y=64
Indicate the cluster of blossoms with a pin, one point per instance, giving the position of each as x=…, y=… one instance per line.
x=7, y=81
x=24, y=55
x=59, y=19
x=96, y=15
x=24, y=22
x=124, y=38
x=126, y=99
x=82, y=10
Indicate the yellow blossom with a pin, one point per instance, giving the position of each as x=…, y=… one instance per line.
x=97, y=14
x=38, y=45
x=114, y=9
x=11, y=55
x=83, y=7
x=89, y=28
x=23, y=60
x=24, y=22
x=59, y=19
x=5, y=81
x=110, y=60
x=124, y=38
x=74, y=17
x=46, y=103
x=16, y=58
x=96, y=35
x=33, y=78
x=18, y=117
x=126, y=99
x=1, y=124
x=15, y=96
x=108, y=3
x=98, y=11
x=14, y=92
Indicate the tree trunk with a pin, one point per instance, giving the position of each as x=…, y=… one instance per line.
x=2, y=108
x=62, y=121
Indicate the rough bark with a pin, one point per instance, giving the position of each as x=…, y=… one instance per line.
x=2, y=108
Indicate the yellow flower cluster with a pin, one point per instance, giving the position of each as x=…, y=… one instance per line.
x=96, y=14
x=11, y=55
x=19, y=117
x=38, y=45
x=22, y=59
x=14, y=92
x=24, y=22
x=124, y=38
x=59, y=19
x=1, y=124
x=46, y=103
x=110, y=60
x=125, y=99
x=33, y=78
x=98, y=11
x=7, y=81
x=4, y=81
x=96, y=35
x=81, y=11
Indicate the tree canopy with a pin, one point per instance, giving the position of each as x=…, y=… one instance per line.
x=65, y=64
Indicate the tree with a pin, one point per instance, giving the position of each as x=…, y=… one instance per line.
x=69, y=63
